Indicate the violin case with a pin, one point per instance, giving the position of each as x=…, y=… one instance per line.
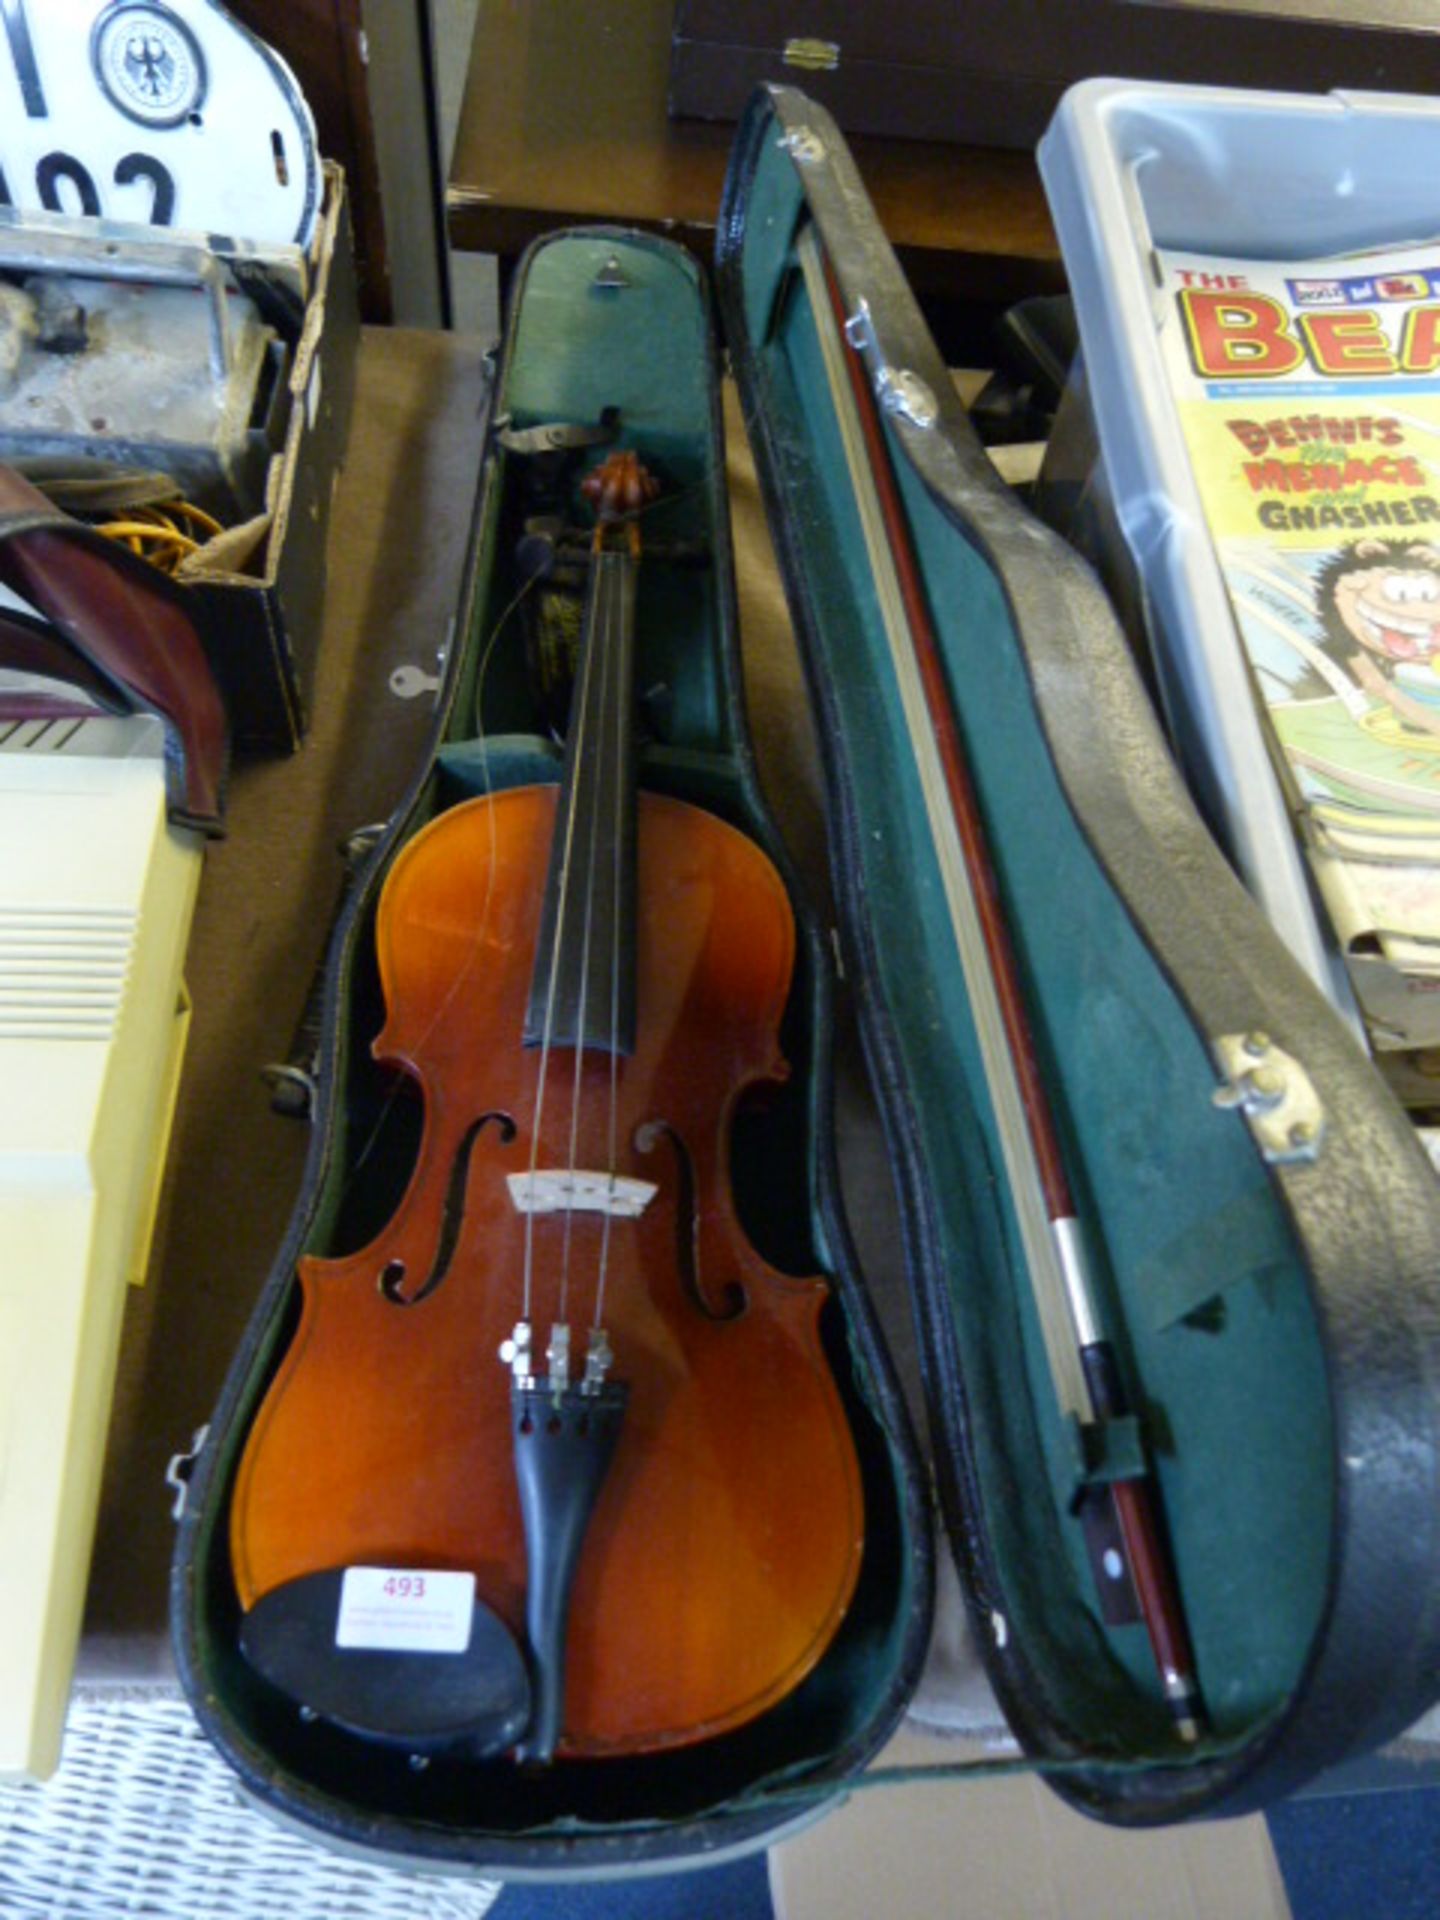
x=1269, y=1263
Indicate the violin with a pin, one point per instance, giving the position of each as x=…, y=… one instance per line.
x=560, y=1393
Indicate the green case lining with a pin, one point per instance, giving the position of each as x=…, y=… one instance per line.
x=1226, y=1359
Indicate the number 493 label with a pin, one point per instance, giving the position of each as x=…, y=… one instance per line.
x=405, y=1610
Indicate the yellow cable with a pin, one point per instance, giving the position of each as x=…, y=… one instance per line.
x=154, y=532
x=199, y=517
x=163, y=547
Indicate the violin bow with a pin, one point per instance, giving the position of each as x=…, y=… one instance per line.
x=1081, y=1359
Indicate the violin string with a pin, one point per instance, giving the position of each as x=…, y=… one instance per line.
x=616, y=878
x=393, y=1092
x=400, y=1083
x=604, y=637
x=579, y=700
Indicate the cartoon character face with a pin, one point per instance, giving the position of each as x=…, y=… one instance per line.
x=1391, y=606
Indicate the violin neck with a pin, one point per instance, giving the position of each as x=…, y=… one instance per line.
x=582, y=989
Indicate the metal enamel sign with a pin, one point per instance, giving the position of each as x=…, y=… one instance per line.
x=160, y=111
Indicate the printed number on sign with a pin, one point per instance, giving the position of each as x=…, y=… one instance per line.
x=405, y=1586
x=61, y=170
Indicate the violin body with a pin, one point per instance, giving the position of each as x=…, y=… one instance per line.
x=726, y=1539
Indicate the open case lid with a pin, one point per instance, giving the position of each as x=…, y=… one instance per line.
x=1270, y=1262
x=166, y=113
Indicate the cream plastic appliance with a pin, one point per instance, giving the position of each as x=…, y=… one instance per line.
x=130, y=130
x=96, y=896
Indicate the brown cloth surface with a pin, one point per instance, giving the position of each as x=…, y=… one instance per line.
x=396, y=551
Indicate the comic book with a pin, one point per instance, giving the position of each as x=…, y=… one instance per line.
x=1309, y=396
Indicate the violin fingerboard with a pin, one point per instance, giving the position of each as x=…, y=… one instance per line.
x=582, y=988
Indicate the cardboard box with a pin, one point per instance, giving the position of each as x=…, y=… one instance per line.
x=242, y=401
x=260, y=591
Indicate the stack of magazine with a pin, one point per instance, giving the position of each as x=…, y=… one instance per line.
x=1309, y=395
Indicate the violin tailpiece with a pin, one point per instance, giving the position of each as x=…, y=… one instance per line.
x=563, y=1445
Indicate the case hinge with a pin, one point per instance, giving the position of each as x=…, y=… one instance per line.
x=803, y=144
x=1275, y=1094
x=811, y=56
x=897, y=389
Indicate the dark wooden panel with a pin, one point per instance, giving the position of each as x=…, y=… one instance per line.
x=321, y=41
x=991, y=72
x=564, y=119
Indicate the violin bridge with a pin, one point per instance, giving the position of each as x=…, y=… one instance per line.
x=572, y=1190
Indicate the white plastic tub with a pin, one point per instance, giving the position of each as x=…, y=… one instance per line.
x=1130, y=166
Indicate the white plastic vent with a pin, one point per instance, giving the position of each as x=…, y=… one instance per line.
x=99, y=736
x=63, y=971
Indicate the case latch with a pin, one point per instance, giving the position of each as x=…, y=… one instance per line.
x=1275, y=1094
x=181, y=1470
x=559, y=436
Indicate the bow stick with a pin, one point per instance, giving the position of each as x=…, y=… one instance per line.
x=1081, y=1359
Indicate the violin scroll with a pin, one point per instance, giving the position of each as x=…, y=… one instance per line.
x=619, y=488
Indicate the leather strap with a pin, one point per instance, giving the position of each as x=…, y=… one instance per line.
x=130, y=626
x=28, y=645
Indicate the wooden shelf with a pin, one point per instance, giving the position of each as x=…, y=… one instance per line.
x=564, y=121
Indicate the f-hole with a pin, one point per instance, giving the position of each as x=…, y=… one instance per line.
x=392, y=1275
x=687, y=1227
